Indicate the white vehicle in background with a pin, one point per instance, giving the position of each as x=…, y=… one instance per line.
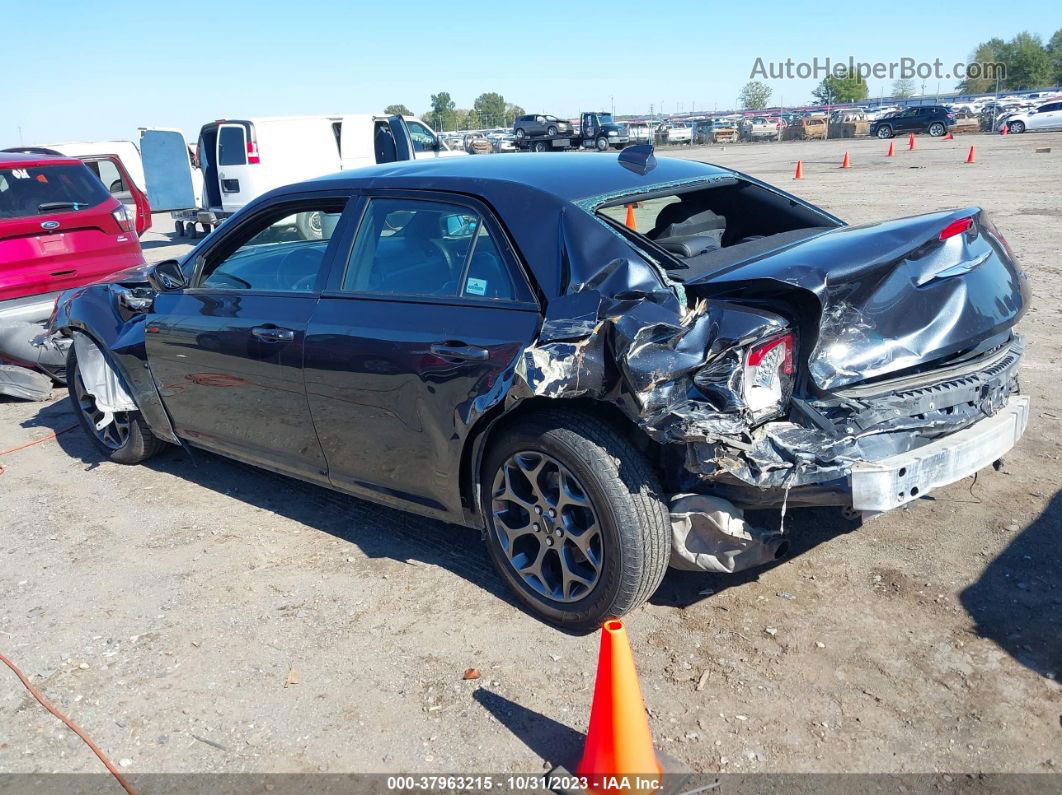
x=674, y=132
x=243, y=158
x=1045, y=117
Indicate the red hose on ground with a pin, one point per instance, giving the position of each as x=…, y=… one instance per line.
x=47, y=438
x=37, y=694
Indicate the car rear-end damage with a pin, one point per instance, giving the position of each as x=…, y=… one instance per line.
x=858, y=367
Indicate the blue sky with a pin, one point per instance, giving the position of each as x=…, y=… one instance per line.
x=86, y=71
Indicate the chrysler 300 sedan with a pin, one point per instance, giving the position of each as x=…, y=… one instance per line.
x=487, y=341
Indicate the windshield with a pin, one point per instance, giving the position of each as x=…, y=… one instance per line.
x=604, y=118
x=45, y=190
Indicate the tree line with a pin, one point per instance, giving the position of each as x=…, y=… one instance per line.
x=1027, y=63
x=489, y=110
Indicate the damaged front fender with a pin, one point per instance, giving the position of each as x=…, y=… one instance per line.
x=98, y=311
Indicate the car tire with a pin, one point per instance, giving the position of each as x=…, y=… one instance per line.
x=551, y=130
x=1017, y=127
x=539, y=146
x=308, y=225
x=127, y=440
x=603, y=471
x=884, y=131
x=936, y=129
x=601, y=143
x=190, y=230
x=520, y=134
x=178, y=228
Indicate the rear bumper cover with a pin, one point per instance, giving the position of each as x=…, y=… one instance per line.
x=880, y=485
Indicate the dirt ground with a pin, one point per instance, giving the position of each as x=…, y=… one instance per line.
x=201, y=615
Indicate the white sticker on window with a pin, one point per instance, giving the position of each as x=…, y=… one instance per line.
x=476, y=287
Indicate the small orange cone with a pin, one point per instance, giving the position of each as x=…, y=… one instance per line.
x=799, y=171
x=892, y=150
x=971, y=158
x=910, y=143
x=630, y=218
x=948, y=137
x=618, y=742
x=844, y=163
x=1003, y=130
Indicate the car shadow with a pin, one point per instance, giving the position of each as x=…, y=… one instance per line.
x=378, y=531
x=172, y=240
x=550, y=740
x=806, y=529
x=1016, y=602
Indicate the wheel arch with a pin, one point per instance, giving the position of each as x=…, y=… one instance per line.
x=496, y=421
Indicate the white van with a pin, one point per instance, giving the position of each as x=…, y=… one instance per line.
x=243, y=158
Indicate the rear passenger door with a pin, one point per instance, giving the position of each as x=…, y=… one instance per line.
x=413, y=339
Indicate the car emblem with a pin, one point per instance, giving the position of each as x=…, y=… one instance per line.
x=49, y=224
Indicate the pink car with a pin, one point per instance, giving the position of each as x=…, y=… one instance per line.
x=59, y=228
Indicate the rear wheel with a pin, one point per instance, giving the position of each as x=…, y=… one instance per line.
x=540, y=146
x=520, y=133
x=309, y=226
x=126, y=439
x=575, y=522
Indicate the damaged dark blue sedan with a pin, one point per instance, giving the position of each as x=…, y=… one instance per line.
x=488, y=342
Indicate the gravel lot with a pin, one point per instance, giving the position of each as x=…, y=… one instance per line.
x=201, y=615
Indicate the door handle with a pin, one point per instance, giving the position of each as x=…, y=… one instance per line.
x=457, y=350
x=273, y=334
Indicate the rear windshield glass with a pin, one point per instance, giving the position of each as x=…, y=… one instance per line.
x=46, y=190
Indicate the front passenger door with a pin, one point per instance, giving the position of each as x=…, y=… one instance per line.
x=226, y=351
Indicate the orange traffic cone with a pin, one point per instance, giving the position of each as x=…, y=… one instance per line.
x=844, y=163
x=799, y=171
x=948, y=137
x=618, y=742
x=910, y=142
x=971, y=158
x=892, y=150
x=630, y=218
x=1003, y=130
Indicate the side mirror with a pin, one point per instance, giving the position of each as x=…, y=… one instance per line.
x=166, y=276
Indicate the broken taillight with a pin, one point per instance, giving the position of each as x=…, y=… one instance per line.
x=955, y=228
x=769, y=370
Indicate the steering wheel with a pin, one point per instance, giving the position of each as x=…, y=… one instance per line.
x=297, y=270
x=439, y=246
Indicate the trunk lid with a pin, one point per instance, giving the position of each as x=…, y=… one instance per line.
x=888, y=296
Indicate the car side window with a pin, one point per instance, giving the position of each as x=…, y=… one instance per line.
x=423, y=140
x=427, y=248
x=282, y=250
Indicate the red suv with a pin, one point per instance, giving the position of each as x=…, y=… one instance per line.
x=59, y=228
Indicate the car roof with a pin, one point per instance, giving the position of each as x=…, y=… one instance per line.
x=20, y=160
x=567, y=176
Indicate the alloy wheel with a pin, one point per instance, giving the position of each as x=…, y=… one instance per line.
x=547, y=527
x=114, y=434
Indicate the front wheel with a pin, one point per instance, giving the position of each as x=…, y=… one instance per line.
x=125, y=438
x=884, y=131
x=551, y=131
x=601, y=144
x=575, y=522
x=1016, y=127
x=936, y=129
